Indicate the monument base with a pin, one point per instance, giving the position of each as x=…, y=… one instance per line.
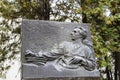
x=83, y=78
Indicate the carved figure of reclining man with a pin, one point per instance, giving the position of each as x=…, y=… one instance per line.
x=69, y=55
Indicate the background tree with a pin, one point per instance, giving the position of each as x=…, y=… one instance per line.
x=12, y=12
x=103, y=16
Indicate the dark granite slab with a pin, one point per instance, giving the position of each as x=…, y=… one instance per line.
x=42, y=35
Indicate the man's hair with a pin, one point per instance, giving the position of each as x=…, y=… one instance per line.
x=83, y=32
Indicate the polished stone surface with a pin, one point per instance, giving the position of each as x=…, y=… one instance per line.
x=42, y=36
x=83, y=78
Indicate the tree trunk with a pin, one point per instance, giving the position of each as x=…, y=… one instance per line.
x=84, y=17
x=44, y=12
x=108, y=74
x=117, y=65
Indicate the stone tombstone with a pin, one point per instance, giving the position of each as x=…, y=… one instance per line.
x=57, y=51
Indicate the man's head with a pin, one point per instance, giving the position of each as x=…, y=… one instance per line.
x=78, y=33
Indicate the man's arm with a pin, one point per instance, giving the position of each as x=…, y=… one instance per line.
x=43, y=57
x=88, y=64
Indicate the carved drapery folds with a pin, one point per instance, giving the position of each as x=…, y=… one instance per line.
x=67, y=55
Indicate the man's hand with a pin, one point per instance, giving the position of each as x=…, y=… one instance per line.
x=77, y=60
x=29, y=53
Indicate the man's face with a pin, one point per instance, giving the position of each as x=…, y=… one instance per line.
x=75, y=34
